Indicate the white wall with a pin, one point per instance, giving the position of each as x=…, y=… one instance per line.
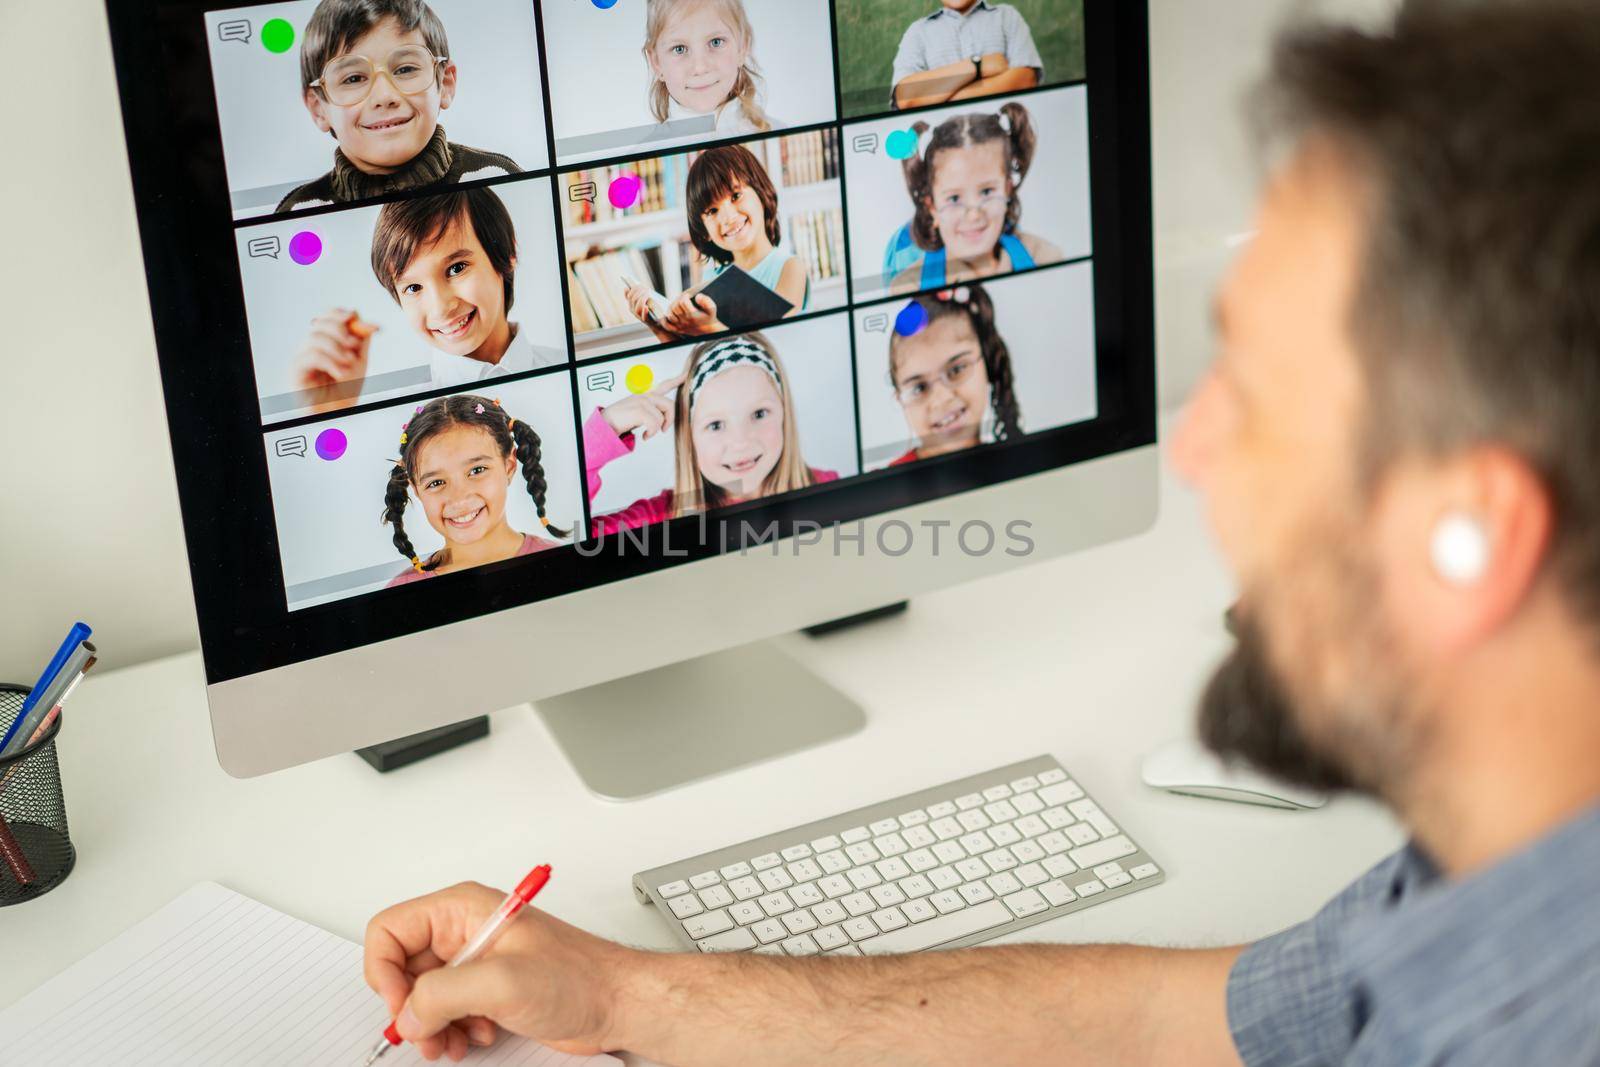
x=88, y=507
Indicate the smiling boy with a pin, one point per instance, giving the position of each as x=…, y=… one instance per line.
x=374, y=74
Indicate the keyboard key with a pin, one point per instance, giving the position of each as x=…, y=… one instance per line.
x=1027, y=803
x=1089, y=888
x=800, y=946
x=971, y=800
x=736, y=940
x=735, y=870
x=1057, y=818
x=716, y=897
x=829, y=912
x=1026, y=903
x=940, y=930
x=1145, y=870
x=889, y=919
x=768, y=950
x=826, y=844
x=685, y=906
x=796, y=852
x=1027, y=851
x=973, y=869
x=1054, y=841
x=944, y=878
x=805, y=871
x=884, y=826
x=1003, y=884
x=923, y=860
x=745, y=888
x=712, y=922
x=999, y=860
x=833, y=862
x=847, y=950
x=913, y=818
x=860, y=928
x=888, y=896
x=949, y=851
x=1101, y=851
x=916, y=886
x=974, y=820
x=1052, y=776
x=919, y=836
x=977, y=843
x=1031, y=874
x=776, y=878
x=947, y=901
x=1004, y=835
x=997, y=792
x=1060, y=793
x=1025, y=785
x=945, y=829
x=863, y=852
x=1117, y=880
x=1059, y=866
x=1031, y=826
x=1057, y=893
x=943, y=809
x=705, y=879
x=859, y=904
x=1090, y=812
x=864, y=877
x=891, y=845
x=893, y=869
x=746, y=912
x=798, y=922
x=776, y=903
x=835, y=886
x=806, y=895
x=768, y=930
x=771, y=859
x=1106, y=869
x=975, y=893
x=1082, y=833
x=672, y=889
x=855, y=834
x=919, y=910
x=830, y=937
x=1001, y=811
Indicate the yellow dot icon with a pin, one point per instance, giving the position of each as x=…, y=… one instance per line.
x=640, y=379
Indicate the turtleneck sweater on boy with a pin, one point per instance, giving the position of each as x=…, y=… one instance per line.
x=439, y=163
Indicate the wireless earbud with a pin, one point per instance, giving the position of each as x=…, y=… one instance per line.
x=1460, y=549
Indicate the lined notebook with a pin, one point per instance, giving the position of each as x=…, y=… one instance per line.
x=213, y=978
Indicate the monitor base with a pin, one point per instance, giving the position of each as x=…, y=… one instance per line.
x=653, y=731
x=850, y=622
x=402, y=751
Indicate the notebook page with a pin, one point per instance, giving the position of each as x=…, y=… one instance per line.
x=218, y=978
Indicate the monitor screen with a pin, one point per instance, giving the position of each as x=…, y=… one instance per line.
x=465, y=304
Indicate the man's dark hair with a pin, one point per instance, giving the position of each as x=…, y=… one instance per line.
x=338, y=24
x=1475, y=130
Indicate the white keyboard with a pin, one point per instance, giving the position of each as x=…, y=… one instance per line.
x=947, y=867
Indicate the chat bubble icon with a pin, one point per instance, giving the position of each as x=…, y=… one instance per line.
x=865, y=142
x=263, y=247
x=583, y=191
x=291, y=446
x=601, y=381
x=878, y=323
x=234, y=30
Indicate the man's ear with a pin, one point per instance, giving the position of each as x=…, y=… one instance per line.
x=318, y=109
x=447, y=86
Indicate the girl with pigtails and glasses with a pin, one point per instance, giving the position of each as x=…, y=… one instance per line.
x=965, y=181
x=459, y=456
x=951, y=374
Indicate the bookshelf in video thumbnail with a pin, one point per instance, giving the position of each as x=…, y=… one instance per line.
x=458, y=287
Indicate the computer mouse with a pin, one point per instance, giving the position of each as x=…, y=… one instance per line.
x=1188, y=768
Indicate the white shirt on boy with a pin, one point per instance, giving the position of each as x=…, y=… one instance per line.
x=521, y=355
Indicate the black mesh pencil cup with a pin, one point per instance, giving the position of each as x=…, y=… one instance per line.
x=36, y=853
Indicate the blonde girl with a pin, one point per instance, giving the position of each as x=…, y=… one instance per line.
x=701, y=63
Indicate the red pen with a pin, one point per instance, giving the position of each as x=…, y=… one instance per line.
x=491, y=929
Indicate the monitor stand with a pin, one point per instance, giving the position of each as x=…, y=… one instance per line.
x=652, y=731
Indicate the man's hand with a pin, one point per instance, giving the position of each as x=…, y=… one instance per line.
x=542, y=979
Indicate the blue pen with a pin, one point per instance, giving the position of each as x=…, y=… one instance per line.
x=75, y=637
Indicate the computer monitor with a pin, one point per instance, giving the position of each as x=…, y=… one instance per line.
x=705, y=321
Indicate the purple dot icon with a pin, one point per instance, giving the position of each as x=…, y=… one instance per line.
x=305, y=248
x=331, y=444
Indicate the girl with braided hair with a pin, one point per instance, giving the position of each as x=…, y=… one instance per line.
x=951, y=373
x=965, y=181
x=459, y=455
x=735, y=434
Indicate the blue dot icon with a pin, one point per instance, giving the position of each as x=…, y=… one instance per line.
x=605, y=5
x=911, y=320
x=901, y=144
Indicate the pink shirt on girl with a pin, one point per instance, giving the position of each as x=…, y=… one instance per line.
x=530, y=545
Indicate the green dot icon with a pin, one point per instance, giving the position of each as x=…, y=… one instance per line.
x=277, y=36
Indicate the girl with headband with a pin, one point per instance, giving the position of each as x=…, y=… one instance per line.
x=459, y=456
x=735, y=433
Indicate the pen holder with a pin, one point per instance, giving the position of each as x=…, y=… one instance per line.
x=36, y=853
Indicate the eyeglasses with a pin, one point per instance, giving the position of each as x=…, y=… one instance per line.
x=915, y=391
x=348, y=80
x=955, y=207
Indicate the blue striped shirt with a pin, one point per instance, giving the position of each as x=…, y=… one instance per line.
x=1408, y=968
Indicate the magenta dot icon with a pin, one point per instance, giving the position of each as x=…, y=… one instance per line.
x=331, y=444
x=624, y=191
x=305, y=248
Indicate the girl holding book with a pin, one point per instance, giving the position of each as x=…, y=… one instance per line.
x=734, y=427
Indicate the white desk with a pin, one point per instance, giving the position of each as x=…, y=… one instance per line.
x=1096, y=658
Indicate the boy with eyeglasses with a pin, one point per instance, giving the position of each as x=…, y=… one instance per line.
x=375, y=74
